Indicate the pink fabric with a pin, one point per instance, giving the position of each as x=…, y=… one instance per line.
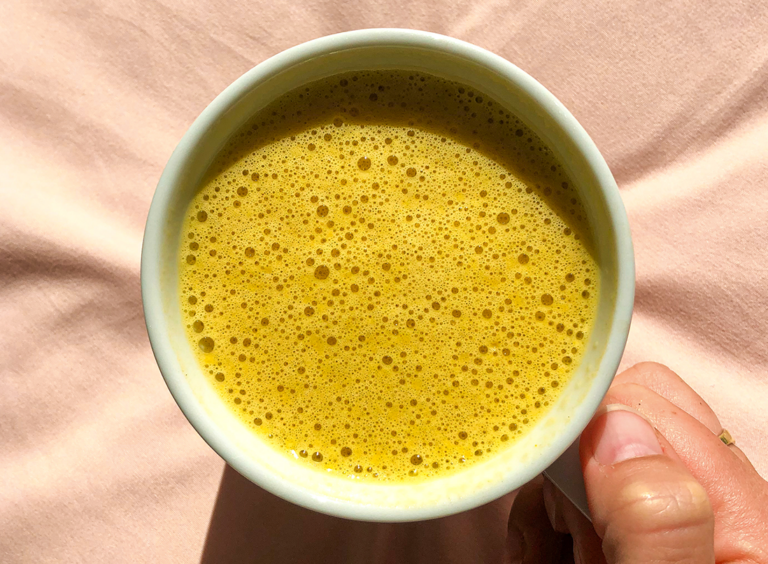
x=99, y=465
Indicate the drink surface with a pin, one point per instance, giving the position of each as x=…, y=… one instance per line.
x=387, y=276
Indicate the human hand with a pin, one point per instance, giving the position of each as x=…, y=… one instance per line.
x=661, y=485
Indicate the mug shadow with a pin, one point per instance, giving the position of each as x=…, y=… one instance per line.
x=250, y=525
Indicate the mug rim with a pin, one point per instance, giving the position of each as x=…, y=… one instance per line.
x=151, y=268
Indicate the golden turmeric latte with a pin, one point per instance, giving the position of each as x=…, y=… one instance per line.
x=387, y=276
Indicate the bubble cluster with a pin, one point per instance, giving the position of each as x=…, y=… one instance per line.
x=387, y=276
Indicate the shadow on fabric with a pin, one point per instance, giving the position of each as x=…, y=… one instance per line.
x=250, y=525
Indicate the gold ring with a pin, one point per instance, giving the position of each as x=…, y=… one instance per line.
x=726, y=437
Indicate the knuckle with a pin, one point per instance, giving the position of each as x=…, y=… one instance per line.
x=664, y=507
x=642, y=371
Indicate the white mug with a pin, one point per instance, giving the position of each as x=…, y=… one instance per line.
x=504, y=472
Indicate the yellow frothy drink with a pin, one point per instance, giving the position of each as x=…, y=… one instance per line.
x=387, y=276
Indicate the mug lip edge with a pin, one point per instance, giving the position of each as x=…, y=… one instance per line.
x=154, y=309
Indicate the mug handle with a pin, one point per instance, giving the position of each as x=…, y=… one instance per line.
x=565, y=473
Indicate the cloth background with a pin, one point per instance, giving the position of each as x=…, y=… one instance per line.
x=97, y=464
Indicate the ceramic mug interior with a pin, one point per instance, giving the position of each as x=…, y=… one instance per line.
x=515, y=91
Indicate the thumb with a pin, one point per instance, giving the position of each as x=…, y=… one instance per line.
x=645, y=504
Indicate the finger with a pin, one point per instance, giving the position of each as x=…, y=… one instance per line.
x=730, y=484
x=672, y=387
x=669, y=385
x=553, y=503
x=587, y=546
x=565, y=518
x=741, y=456
x=715, y=466
x=530, y=537
x=645, y=504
